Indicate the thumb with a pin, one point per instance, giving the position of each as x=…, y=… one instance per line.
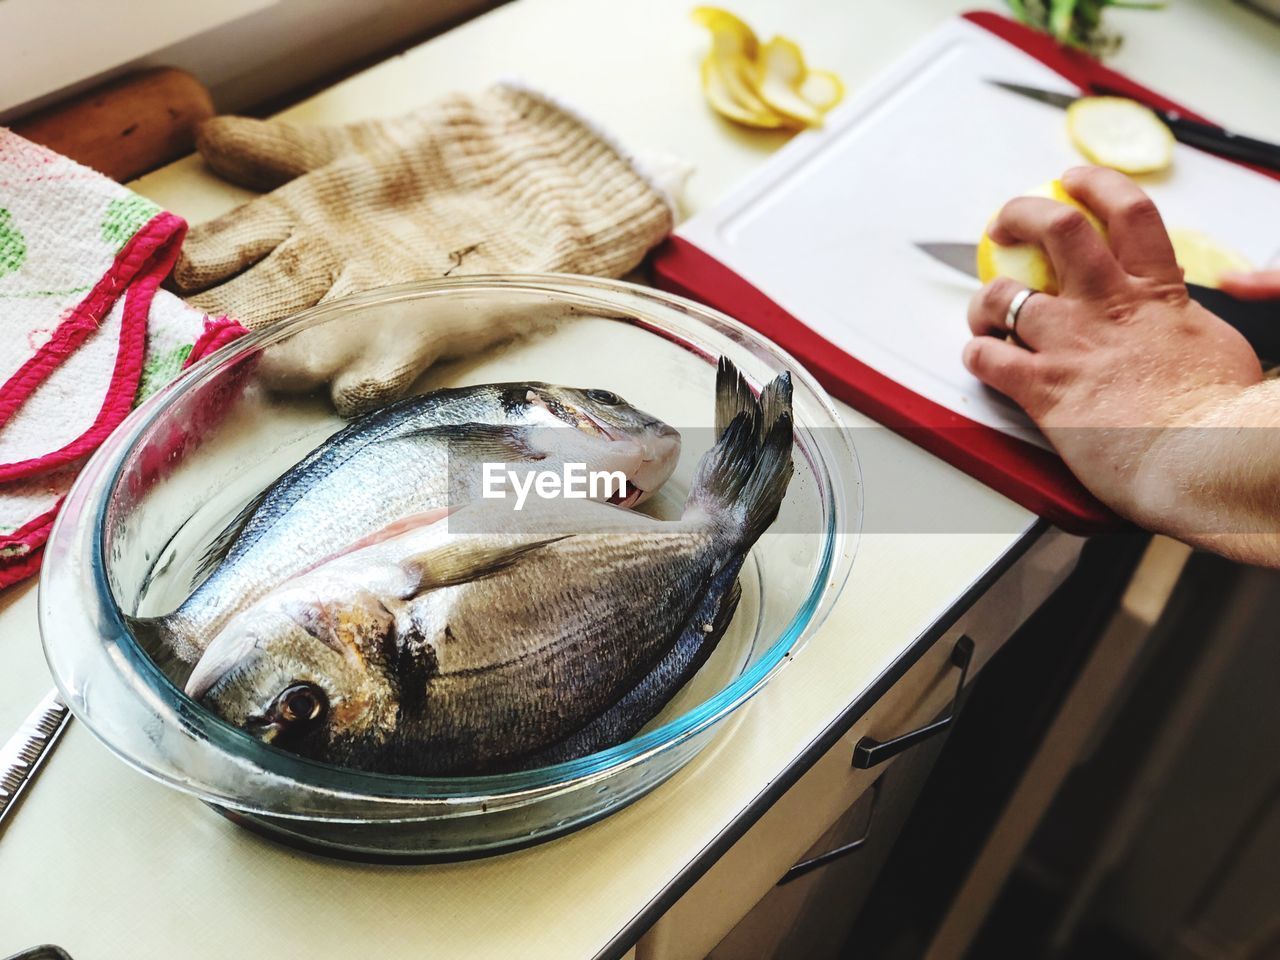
x=214, y=252
x=263, y=154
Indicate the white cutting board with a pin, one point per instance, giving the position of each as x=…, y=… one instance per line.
x=929, y=151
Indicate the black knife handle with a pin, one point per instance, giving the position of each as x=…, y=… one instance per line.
x=1208, y=136
x=1224, y=143
x=1257, y=320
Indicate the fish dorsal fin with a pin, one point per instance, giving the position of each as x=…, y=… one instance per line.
x=464, y=560
x=485, y=441
x=223, y=542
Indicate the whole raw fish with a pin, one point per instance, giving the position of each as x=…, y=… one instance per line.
x=436, y=651
x=407, y=460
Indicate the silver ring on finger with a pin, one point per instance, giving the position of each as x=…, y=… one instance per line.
x=1015, y=307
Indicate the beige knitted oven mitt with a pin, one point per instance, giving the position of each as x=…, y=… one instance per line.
x=502, y=182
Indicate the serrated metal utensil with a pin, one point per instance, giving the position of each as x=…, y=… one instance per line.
x=24, y=752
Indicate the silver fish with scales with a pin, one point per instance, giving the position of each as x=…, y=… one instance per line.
x=402, y=463
x=443, y=652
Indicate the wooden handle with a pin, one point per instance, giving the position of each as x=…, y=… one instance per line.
x=127, y=127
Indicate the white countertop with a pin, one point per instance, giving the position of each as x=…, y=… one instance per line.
x=110, y=865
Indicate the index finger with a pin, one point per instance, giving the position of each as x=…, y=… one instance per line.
x=1081, y=258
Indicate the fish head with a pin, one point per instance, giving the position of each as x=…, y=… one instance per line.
x=304, y=673
x=619, y=436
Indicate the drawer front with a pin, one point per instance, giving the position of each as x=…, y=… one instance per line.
x=810, y=916
x=693, y=926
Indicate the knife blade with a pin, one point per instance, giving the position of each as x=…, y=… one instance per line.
x=1054, y=98
x=1258, y=321
x=1206, y=136
x=26, y=750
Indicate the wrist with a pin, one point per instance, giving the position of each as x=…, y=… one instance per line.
x=1180, y=481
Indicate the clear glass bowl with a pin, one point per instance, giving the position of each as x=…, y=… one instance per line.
x=166, y=482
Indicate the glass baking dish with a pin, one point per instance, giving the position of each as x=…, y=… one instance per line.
x=164, y=484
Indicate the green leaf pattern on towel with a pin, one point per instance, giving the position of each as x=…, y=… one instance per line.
x=13, y=246
x=125, y=216
x=159, y=370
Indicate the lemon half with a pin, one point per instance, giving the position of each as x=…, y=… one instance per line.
x=1027, y=262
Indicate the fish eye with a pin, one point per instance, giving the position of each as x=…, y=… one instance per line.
x=301, y=703
x=606, y=397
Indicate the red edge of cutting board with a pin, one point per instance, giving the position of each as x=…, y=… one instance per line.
x=1029, y=475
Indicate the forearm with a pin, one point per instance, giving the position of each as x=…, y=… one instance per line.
x=1213, y=480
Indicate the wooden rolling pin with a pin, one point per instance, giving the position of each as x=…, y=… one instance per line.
x=127, y=127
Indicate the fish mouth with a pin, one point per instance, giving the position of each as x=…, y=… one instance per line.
x=647, y=447
x=628, y=496
x=656, y=450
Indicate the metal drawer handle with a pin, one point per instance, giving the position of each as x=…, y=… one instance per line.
x=822, y=859
x=869, y=751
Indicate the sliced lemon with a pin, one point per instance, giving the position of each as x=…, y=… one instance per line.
x=823, y=89
x=1120, y=133
x=1203, y=259
x=780, y=73
x=1027, y=263
x=729, y=34
x=765, y=85
x=728, y=72
x=718, y=84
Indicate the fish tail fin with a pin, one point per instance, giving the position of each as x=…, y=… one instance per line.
x=733, y=396
x=747, y=471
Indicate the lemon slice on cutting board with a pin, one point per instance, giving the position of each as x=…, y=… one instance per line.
x=1203, y=260
x=1027, y=263
x=1120, y=133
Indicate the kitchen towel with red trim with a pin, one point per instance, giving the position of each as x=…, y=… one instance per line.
x=85, y=333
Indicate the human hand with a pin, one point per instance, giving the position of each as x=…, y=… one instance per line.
x=1119, y=356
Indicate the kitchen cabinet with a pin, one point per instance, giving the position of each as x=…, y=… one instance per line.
x=829, y=803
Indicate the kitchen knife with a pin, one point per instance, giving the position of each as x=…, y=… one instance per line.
x=1257, y=320
x=1206, y=136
